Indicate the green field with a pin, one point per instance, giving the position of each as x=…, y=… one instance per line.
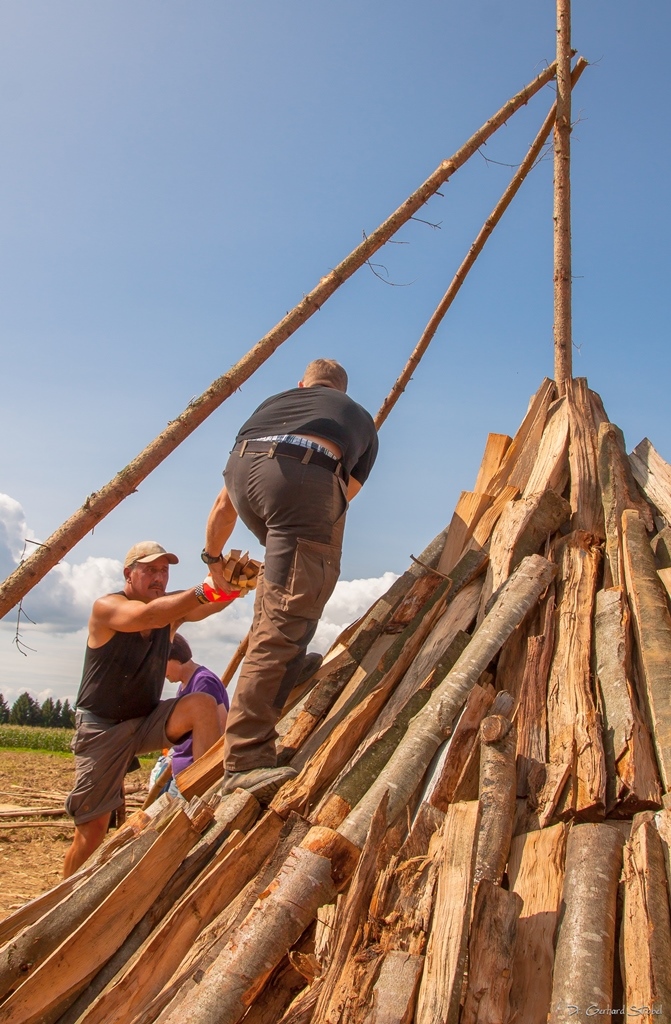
x=36, y=737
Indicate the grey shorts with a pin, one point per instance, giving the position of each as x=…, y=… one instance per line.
x=102, y=755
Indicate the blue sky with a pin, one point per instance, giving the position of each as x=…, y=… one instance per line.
x=174, y=177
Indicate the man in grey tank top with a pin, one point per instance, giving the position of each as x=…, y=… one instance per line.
x=119, y=713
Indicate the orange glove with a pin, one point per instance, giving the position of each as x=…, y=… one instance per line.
x=209, y=592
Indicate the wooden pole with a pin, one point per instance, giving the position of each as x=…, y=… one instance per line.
x=236, y=660
x=473, y=253
x=562, y=201
x=101, y=502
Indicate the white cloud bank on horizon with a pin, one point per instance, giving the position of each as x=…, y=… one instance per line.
x=61, y=604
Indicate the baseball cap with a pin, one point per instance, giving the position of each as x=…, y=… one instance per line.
x=148, y=551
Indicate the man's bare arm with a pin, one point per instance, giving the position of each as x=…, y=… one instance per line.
x=353, y=488
x=118, y=614
x=220, y=523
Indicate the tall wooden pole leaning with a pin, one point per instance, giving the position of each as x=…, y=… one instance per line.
x=100, y=503
x=473, y=253
x=562, y=201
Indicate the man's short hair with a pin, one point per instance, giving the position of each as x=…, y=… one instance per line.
x=179, y=650
x=326, y=372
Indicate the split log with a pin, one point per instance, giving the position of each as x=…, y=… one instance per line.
x=618, y=492
x=583, y=462
x=396, y=989
x=490, y=956
x=551, y=469
x=653, y=476
x=203, y=772
x=519, y=459
x=496, y=447
x=428, y=729
x=661, y=545
x=522, y=529
x=234, y=865
x=20, y=957
x=468, y=785
x=273, y=925
x=372, y=756
x=57, y=981
x=645, y=943
x=440, y=988
x=458, y=747
x=235, y=812
x=662, y=822
x=633, y=782
x=652, y=627
x=583, y=970
x=490, y=517
x=497, y=797
x=574, y=730
x=531, y=711
x=470, y=508
x=98, y=505
x=536, y=873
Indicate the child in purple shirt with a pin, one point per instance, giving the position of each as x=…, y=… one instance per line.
x=193, y=678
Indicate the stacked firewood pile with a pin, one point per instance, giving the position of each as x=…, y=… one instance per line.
x=478, y=831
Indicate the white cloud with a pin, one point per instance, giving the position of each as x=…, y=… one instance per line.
x=62, y=601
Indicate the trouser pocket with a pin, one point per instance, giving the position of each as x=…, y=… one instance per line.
x=313, y=576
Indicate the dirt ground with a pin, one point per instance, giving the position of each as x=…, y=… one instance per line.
x=31, y=859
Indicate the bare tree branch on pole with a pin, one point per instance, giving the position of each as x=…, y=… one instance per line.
x=473, y=253
x=562, y=201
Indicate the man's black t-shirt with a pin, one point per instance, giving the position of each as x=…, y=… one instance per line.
x=324, y=412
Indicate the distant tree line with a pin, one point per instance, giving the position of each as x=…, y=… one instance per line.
x=27, y=711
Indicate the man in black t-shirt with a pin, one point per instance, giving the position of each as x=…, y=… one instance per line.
x=297, y=462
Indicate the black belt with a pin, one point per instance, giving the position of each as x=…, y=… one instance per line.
x=91, y=719
x=308, y=456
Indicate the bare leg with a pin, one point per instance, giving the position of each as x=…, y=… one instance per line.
x=87, y=839
x=196, y=713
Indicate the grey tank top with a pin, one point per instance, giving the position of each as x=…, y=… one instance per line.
x=124, y=678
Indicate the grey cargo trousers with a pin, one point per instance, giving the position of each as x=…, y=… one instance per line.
x=298, y=512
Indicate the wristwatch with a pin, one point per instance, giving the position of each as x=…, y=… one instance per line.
x=209, y=559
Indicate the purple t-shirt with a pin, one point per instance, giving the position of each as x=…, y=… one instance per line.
x=202, y=681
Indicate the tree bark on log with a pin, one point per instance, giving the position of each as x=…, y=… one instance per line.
x=454, y=623
x=573, y=726
x=652, y=627
x=440, y=988
x=396, y=988
x=41, y=905
x=583, y=461
x=491, y=952
x=371, y=757
x=68, y=969
x=633, y=782
x=653, y=476
x=645, y=942
x=618, y=492
x=428, y=729
x=271, y=928
x=583, y=969
x=101, y=502
x=536, y=873
x=497, y=797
